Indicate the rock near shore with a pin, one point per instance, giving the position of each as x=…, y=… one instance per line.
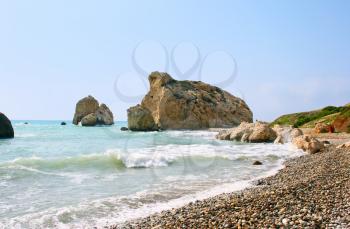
x=308, y=144
x=249, y=132
x=6, y=129
x=174, y=104
x=90, y=113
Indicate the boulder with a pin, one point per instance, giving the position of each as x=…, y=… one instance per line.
x=88, y=106
x=104, y=115
x=89, y=120
x=279, y=140
x=296, y=132
x=141, y=119
x=249, y=132
x=124, y=128
x=177, y=104
x=286, y=134
x=63, y=123
x=6, y=129
x=308, y=144
x=322, y=128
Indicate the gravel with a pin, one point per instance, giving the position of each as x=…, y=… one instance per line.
x=312, y=191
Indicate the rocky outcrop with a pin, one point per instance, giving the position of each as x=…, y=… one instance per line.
x=176, y=104
x=90, y=113
x=249, y=132
x=6, y=129
x=308, y=144
x=141, y=119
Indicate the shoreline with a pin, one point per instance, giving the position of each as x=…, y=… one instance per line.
x=309, y=191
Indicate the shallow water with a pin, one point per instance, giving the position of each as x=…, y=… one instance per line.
x=73, y=176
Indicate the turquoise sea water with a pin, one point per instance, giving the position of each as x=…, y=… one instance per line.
x=75, y=177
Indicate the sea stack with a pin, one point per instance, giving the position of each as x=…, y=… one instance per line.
x=6, y=129
x=88, y=112
x=174, y=104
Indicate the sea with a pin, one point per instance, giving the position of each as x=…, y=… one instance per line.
x=67, y=176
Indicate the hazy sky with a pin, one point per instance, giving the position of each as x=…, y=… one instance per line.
x=290, y=55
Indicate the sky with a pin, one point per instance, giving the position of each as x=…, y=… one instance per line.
x=279, y=56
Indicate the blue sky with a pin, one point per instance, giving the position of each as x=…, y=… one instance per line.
x=291, y=55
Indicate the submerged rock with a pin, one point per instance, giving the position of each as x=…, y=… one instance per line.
x=6, y=129
x=124, y=128
x=173, y=104
x=63, y=123
x=249, y=132
x=90, y=113
x=308, y=144
x=257, y=163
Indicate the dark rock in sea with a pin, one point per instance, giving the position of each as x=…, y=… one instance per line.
x=90, y=113
x=257, y=163
x=63, y=123
x=175, y=104
x=25, y=123
x=124, y=128
x=6, y=129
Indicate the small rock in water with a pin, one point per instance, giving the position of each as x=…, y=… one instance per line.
x=124, y=128
x=63, y=123
x=25, y=123
x=257, y=163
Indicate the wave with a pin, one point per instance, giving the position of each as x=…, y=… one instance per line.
x=117, y=210
x=158, y=156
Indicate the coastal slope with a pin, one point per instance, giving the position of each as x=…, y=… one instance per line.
x=338, y=117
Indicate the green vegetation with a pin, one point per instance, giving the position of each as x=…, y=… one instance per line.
x=309, y=119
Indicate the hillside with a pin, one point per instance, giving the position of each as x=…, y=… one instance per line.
x=339, y=117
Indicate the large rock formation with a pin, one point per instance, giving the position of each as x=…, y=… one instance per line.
x=90, y=113
x=176, y=104
x=249, y=132
x=6, y=130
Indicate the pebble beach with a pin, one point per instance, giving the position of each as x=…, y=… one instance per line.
x=312, y=191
